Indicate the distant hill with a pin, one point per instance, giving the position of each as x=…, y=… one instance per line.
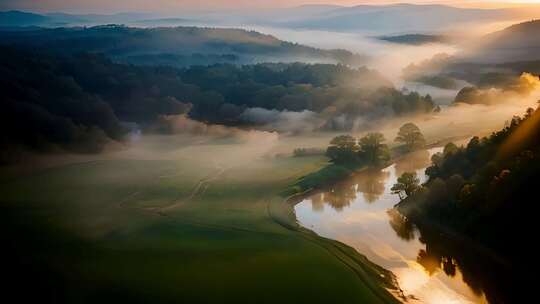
x=416, y=39
x=20, y=18
x=520, y=42
x=17, y=18
x=163, y=22
x=495, y=60
x=173, y=46
x=395, y=18
x=385, y=19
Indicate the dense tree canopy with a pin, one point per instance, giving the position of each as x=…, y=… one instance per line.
x=79, y=102
x=407, y=183
x=475, y=188
x=410, y=135
x=368, y=150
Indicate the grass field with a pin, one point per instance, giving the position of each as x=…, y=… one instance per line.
x=203, y=223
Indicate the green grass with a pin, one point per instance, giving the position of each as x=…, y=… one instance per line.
x=105, y=231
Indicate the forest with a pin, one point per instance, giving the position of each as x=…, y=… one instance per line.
x=474, y=189
x=79, y=102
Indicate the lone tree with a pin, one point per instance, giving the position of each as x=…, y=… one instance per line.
x=411, y=136
x=407, y=183
x=343, y=149
x=344, y=142
x=372, y=149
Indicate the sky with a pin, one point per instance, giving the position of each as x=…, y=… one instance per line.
x=112, y=6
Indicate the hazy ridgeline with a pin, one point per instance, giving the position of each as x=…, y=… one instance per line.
x=173, y=46
x=495, y=60
x=397, y=18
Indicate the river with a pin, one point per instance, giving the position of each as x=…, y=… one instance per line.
x=356, y=212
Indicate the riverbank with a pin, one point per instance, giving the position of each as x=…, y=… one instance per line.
x=355, y=212
x=333, y=173
x=371, y=274
x=329, y=174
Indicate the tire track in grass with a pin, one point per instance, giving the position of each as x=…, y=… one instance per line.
x=199, y=189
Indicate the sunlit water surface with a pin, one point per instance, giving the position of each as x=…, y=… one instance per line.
x=355, y=212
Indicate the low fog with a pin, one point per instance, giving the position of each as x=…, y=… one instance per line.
x=516, y=92
x=236, y=145
x=461, y=120
x=385, y=57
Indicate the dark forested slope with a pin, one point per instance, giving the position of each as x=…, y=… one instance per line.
x=173, y=46
x=485, y=190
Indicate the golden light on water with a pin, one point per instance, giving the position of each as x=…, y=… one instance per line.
x=364, y=226
x=434, y=287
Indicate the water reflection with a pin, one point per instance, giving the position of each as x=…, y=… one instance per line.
x=403, y=228
x=340, y=196
x=370, y=183
x=413, y=162
x=482, y=272
x=317, y=202
x=358, y=212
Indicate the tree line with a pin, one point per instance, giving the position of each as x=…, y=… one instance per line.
x=485, y=189
x=370, y=149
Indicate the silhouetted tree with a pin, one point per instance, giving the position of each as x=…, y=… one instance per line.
x=344, y=141
x=343, y=149
x=410, y=135
x=407, y=183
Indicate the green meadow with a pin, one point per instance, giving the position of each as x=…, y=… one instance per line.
x=200, y=222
